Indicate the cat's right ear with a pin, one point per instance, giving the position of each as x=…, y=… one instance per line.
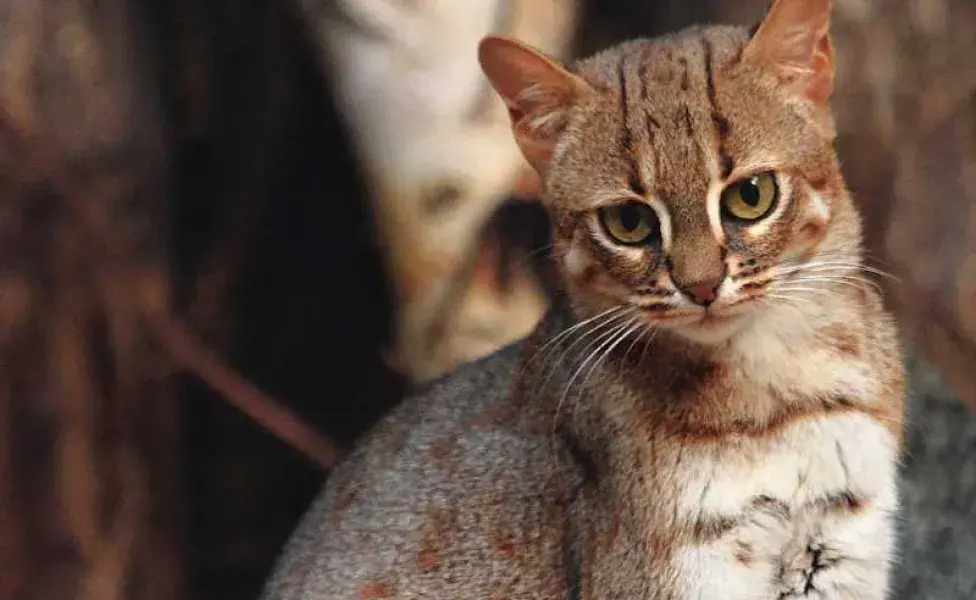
x=537, y=91
x=793, y=41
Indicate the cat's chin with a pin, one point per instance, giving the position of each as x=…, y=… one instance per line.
x=711, y=329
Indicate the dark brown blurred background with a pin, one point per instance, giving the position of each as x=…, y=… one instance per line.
x=185, y=175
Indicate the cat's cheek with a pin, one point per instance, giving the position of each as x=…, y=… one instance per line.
x=576, y=263
x=810, y=229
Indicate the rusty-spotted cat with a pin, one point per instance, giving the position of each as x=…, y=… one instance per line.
x=713, y=407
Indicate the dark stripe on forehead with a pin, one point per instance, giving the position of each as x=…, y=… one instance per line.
x=723, y=128
x=626, y=138
x=652, y=128
x=642, y=75
x=689, y=128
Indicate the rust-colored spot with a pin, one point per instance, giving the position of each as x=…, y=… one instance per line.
x=428, y=557
x=818, y=183
x=505, y=547
x=344, y=498
x=843, y=340
x=743, y=553
x=615, y=528
x=374, y=590
x=495, y=415
x=442, y=448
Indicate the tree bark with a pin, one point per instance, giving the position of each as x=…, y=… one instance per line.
x=88, y=462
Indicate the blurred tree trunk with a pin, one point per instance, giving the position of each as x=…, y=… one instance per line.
x=88, y=421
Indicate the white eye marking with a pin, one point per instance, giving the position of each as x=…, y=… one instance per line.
x=664, y=218
x=713, y=206
x=820, y=206
x=575, y=260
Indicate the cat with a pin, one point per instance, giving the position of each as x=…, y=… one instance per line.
x=713, y=407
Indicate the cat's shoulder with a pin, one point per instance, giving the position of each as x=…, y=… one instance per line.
x=437, y=494
x=466, y=419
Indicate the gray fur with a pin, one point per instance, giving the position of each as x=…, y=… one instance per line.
x=503, y=479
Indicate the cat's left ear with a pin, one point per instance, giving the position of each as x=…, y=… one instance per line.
x=793, y=41
x=538, y=92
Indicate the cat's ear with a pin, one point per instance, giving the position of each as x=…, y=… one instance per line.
x=537, y=91
x=793, y=41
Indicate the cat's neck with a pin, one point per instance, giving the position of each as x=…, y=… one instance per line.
x=792, y=360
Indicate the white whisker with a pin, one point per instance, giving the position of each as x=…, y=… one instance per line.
x=604, y=340
x=603, y=356
x=565, y=332
x=551, y=368
x=646, y=328
x=598, y=340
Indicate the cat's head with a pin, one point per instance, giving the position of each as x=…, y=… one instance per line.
x=691, y=179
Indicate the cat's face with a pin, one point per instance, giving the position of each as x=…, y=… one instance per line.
x=691, y=179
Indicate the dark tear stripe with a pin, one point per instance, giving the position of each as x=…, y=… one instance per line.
x=642, y=76
x=685, y=77
x=652, y=128
x=722, y=125
x=652, y=125
x=626, y=138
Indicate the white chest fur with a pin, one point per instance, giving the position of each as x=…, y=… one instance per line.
x=793, y=543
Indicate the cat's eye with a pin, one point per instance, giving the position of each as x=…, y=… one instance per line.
x=630, y=224
x=752, y=198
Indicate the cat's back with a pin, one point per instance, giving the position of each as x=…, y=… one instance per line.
x=456, y=493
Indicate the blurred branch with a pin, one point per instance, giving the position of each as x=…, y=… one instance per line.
x=184, y=348
x=190, y=354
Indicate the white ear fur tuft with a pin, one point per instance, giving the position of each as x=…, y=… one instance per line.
x=793, y=42
x=537, y=91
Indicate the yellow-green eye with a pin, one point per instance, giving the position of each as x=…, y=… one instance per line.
x=630, y=224
x=751, y=199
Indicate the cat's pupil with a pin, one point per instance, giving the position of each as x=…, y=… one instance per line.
x=749, y=192
x=629, y=217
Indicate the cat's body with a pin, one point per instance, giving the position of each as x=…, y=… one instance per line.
x=389, y=523
x=471, y=489
x=464, y=492
x=713, y=407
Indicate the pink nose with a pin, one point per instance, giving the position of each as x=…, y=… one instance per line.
x=702, y=292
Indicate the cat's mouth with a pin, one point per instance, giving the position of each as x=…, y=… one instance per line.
x=704, y=318
x=700, y=316
x=706, y=325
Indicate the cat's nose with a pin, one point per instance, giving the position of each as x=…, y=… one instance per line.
x=703, y=292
